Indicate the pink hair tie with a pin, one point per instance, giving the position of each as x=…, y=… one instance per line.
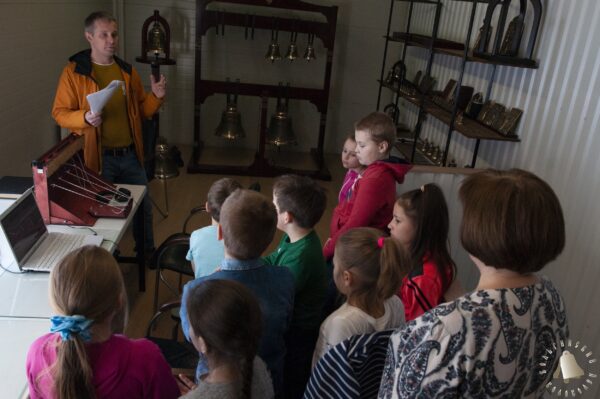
x=380, y=242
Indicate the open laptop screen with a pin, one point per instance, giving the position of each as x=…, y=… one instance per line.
x=23, y=225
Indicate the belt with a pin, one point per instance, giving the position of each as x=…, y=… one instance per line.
x=118, y=151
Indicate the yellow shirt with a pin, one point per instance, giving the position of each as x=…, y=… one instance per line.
x=115, y=121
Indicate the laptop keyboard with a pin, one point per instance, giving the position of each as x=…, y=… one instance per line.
x=53, y=249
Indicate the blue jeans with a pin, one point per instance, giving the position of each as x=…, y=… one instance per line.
x=128, y=170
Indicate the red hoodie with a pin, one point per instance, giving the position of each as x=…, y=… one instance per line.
x=371, y=203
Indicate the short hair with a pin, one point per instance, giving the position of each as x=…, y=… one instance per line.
x=379, y=126
x=95, y=16
x=248, y=222
x=511, y=220
x=301, y=196
x=218, y=193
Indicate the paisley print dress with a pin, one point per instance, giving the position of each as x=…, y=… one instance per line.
x=486, y=344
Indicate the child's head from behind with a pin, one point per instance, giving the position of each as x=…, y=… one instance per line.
x=511, y=220
x=225, y=324
x=218, y=193
x=87, y=282
x=248, y=221
x=298, y=199
x=368, y=265
x=375, y=134
x=349, y=159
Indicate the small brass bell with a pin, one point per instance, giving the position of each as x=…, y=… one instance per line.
x=157, y=39
x=273, y=53
x=280, y=130
x=230, y=126
x=292, y=52
x=309, y=54
x=569, y=367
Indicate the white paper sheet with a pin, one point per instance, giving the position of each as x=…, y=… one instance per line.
x=99, y=99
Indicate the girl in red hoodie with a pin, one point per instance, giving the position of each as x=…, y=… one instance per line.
x=420, y=224
x=372, y=200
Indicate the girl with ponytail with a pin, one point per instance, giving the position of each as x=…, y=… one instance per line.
x=83, y=356
x=225, y=327
x=420, y=225
x=368, y=269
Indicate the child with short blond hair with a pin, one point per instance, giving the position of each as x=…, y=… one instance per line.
x=372, y=200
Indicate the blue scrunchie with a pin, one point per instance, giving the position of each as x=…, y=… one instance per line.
x=69, y=325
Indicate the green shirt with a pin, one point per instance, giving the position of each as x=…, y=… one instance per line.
x=305, y=260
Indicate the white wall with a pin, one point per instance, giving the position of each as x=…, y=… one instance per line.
x=38, y=37
x=560, y=140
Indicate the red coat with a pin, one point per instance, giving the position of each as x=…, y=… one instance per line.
x=422, y=289
x=371, y=203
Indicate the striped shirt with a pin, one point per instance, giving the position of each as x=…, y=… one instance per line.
x=350, y=369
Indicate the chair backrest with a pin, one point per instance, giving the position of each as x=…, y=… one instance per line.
x=351, y=369
x=180, y=354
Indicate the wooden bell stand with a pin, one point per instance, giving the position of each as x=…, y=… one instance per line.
x=206, y=19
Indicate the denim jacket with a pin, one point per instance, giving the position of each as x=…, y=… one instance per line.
x=274, y=289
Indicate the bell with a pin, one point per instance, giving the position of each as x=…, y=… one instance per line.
x=280, y=130
x=569, y=367
x=230, y=126
x=157, y=39
x=309, y=54
x=273, y=53
x=292, y=52
x=165, y=166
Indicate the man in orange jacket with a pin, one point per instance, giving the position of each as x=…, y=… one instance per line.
x=113, y=139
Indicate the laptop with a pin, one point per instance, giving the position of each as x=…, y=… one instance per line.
x=33, y=246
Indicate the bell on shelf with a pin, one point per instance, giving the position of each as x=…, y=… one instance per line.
x=292, y=52
x=280, y=130
x=273, y=53
x=309, y=54
x=230, y=126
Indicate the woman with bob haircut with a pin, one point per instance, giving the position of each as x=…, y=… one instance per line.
x=491, y=342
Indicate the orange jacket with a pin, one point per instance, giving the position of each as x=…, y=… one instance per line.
x=70, y=105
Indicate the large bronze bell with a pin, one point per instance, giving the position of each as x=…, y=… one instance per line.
x=280, y=130
x=230, y=126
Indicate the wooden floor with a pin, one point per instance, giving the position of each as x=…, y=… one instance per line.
x=189, y=190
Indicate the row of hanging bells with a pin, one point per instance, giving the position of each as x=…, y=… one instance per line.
x=274, y=54
x=279, y=132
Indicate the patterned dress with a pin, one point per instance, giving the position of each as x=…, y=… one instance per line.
x=486, y=344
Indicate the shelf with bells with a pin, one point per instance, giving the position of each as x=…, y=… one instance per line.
x=279, y=132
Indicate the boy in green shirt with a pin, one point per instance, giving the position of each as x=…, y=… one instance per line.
x=300, y=203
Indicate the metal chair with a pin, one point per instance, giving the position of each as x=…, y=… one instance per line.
x=180, y=354
x=170, y=255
